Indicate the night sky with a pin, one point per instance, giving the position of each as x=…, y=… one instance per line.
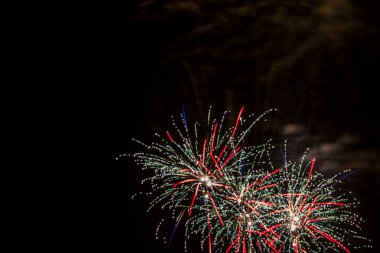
x=316, y=61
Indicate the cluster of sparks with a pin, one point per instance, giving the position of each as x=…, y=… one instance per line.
x=237, y=200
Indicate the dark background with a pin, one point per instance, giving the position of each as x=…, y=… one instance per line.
x=316, y=61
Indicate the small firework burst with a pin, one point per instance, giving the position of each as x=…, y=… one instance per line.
x=243, y=203
x=310, y=214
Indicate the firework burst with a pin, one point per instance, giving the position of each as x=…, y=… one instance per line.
x=234, y=197
x=192, y=173
x=243, y=203
x=310, y=215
